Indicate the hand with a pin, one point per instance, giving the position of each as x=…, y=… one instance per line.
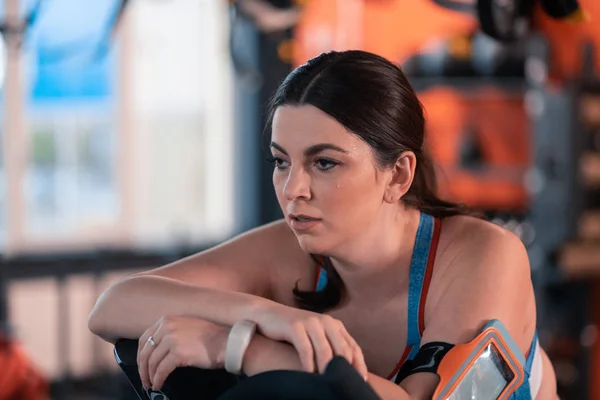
x=316, y=337
x=180, y=342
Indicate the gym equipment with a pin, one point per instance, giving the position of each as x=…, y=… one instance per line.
x=460, y=6
x=183, y=384
x=505, y=21
x=509, y=20
x=482, y=155
x=468, y=56
x=559, y=9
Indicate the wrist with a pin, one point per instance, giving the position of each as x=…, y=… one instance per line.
x=238, y=341
x=264, y=354
x=221, y=346
x=256, y=308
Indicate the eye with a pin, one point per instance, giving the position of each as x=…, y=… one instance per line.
x=325, y=165
x=279, y=163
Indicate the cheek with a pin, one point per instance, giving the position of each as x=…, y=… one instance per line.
x=353, y=199
x=278, y=184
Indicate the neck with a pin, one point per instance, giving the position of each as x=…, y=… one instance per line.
x=375, y=268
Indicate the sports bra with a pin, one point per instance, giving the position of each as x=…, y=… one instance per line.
x=421, y=270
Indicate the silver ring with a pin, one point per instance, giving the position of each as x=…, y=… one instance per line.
x=151, y=341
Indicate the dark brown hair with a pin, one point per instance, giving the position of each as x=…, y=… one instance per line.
x=371, y=98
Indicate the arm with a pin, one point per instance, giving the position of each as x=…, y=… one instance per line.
x=488, y=278
x=188, y=341
x=129, y=307
x=222, y=285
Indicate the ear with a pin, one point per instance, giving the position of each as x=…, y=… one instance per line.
x=402, y=175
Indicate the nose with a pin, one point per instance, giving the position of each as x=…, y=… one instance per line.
x=297, y=185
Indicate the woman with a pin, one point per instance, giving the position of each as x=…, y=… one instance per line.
x=368, y=263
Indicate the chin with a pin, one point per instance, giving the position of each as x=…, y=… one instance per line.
x=312, y=245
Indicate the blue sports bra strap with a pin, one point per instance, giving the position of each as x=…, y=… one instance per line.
x=321, y=280
x=531, y=355
x=524, y=391
x=418, y=267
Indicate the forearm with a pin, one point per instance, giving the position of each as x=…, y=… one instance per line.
x=265, y=355
x=388, y=390
x=129, y=307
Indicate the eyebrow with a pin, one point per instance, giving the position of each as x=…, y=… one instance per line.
x=312, y=150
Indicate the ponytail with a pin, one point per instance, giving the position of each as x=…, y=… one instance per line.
x=423, y=196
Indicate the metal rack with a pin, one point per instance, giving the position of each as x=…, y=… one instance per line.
x=561, y=188
x=562, y=219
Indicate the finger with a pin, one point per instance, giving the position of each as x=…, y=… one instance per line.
x=144, y=339
x=321, y=345
x=144, y=355
x=156, y=357
x=147, y=350
x=141, y=344
x=164, y=369
x=338, y=337
x=358, y=359
x=304, y=348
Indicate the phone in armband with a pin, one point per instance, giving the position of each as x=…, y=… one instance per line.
x=488, y=367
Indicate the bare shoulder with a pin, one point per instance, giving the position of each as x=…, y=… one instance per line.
x=466, y=242
x=462, y=226
x=253, y=262
x=482, y=273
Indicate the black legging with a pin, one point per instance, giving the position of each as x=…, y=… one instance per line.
x=339, y=382
x=282, y=385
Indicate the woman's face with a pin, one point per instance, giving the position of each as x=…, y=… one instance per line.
x=326, y=178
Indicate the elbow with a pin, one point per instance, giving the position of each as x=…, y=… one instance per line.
x=95, y=323
x=98, y=324
x=105, y=309
x=96, y=327
x=106, y=320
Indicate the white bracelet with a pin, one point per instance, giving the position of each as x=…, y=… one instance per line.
x=239, y=338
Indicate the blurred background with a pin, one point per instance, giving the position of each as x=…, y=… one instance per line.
x=130, y=136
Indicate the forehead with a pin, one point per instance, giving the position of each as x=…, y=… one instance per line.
x=307, y=125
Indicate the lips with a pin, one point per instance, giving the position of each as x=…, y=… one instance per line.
x=302, y=217
x=302, y=223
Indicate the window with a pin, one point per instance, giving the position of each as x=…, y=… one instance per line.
x=71, y=182
x=128, y=142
